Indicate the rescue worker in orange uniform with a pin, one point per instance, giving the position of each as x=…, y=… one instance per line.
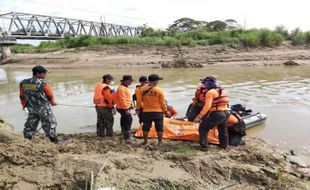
x=104, y=100
x=198, y=102
x=152, y=100
x=124, y=105
x=214, y=113
x=143, y=82
x=37, y=97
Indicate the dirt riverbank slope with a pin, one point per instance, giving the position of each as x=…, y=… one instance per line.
x=39, y=164
x=161, y=57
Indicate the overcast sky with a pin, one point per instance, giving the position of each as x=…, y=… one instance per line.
x=161, y=13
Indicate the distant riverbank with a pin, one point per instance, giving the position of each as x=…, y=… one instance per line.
x=144, y=56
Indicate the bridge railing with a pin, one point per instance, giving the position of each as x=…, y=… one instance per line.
x=31, y=26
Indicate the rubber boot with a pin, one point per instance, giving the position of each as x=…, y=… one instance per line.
x=54, y=140
x=160, y=138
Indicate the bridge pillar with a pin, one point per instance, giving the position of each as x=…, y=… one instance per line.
x=5, y=52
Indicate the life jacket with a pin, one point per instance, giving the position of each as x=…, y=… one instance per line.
x=134, y=96
x=202, y=95
x=239, y=126
x=99, y=100
x=221, y=100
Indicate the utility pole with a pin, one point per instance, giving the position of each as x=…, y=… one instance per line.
x=244, y=22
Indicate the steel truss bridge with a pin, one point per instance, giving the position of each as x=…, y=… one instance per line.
x=41, y=27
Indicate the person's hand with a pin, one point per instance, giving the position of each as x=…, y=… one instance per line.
x=166, y=114
x=128, y=112
x=137, y=111
x=54, y=104
x=113, y=111
x=197, y=119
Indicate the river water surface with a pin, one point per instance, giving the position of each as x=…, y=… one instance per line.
x=283, y=93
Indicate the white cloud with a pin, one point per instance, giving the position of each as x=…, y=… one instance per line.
x=160, y=13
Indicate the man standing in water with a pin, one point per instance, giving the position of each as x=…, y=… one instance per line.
x=37, y=97
x=214, y=113
x=152, y=100
x=104, y=101
x=124, y=105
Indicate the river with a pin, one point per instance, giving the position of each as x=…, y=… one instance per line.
x=283, y=93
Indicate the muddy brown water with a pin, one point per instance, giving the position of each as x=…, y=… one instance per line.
x=283, y=93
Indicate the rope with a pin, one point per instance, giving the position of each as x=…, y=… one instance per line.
x=74, y=105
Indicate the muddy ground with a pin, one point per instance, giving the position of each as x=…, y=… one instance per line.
x=39, y=164
x=162, y=57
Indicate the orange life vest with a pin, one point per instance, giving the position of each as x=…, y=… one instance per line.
x=221, y=100
x=202, y=95
x=99, y=99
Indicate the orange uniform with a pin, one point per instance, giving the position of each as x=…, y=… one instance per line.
x=124, y=98
x=215, y=102
x=151, y=99
x=103, y=96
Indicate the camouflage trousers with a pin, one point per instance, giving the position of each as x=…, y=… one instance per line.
x=48, y=122
x=105, y=121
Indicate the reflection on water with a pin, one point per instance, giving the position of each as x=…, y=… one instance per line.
x=282, y=93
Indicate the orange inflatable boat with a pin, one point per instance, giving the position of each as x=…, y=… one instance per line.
x=186, y=130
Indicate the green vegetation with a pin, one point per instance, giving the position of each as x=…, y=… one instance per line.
x=183, y=32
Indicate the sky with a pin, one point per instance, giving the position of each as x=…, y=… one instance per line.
x=161, y=13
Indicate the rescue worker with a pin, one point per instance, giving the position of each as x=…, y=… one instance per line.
x=124, y=105
x=37, y=98
x=152, y=100
x=104, y=102
x=171, y=112
x=198, y=102
x=143, y=82
x=214, y=113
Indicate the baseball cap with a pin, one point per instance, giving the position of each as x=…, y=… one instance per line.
x=154, y=77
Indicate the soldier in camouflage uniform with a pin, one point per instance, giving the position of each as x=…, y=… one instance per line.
x=37, y=97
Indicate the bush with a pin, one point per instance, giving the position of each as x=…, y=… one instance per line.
x=307, y=35
x=250, y=39
x=299, y=39
x=269, y=38
x=282, y=30
x=22, y=48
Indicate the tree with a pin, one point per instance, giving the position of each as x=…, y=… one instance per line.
x=231, y=23
x=184, y=24
x=217, y=25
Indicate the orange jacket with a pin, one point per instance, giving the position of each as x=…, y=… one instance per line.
x=152, y=101
x=124, y=98
x=200, y=95
x=103, y=96
x=215, y=102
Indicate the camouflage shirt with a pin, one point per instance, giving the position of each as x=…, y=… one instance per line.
x=36, y=95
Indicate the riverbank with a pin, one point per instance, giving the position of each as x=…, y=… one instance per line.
x=177, y=165
x=141, y=56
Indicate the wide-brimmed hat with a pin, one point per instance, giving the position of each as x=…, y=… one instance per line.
x=154, y=77
x=127, y=78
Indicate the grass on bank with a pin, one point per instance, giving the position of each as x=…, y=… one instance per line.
x=247, y=38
